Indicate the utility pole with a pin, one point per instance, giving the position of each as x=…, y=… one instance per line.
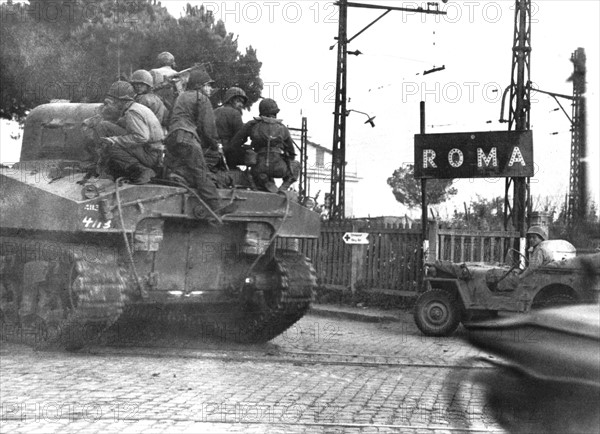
x=576, y=200
x=303, y=148
x=520, y=106
x=338, y=163
x=338, y=156
x=577, y=206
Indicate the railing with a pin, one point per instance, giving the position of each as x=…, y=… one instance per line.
x=460, y=245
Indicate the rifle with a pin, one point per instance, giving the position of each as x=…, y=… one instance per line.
x=176, y=78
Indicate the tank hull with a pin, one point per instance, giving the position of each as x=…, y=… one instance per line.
x=100, y=250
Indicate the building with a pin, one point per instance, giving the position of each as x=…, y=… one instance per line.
x=318, y=174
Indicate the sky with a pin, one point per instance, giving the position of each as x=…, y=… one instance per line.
x=473, y=42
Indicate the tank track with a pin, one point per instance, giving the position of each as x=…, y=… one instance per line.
x=288, y=304
x=98, y=290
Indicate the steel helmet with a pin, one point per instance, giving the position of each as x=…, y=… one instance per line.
x=142, y=76
x=121, y=90
x=539, y=231
x=268, y=107
x=198, y=78
x=233, y=92
x=165, y=58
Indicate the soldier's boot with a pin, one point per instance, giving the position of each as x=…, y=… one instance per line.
x=287, y=183
x=271, y=186
x=140, y=174
x=291, y=176
x=266, y=184
x=250, y=179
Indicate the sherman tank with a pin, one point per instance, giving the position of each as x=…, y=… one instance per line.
x=80, y=252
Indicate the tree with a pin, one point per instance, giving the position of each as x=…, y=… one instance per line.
x=407, y=189
x=80, y=53
x=481, y=214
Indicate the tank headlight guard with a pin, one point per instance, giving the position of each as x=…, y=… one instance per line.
x=90, y=191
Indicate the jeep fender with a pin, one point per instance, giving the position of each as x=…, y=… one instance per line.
x=456, y=287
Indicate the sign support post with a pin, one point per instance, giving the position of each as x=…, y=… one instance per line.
x=424, y=194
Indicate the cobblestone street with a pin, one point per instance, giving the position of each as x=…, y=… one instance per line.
x=323, y=375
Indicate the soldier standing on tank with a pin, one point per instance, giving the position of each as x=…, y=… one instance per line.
x=228, y=119
x=165, y=88
x=133, y=146
x=272, y=141
x=192, y=129
x=142, y=83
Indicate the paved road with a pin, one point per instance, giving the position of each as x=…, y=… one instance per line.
x=323, y=375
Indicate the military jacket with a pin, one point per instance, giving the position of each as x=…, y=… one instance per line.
x=141, y=125
x=193, y=112
x=154, y=103
x=266, y=132
x=229, y=121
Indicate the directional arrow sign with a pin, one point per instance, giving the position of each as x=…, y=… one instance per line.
x=356, y=238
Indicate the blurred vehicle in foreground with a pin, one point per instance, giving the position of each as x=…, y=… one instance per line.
x=548, y=376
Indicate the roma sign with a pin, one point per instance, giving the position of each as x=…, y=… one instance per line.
x=492, y=154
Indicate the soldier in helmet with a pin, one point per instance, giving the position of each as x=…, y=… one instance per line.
x=539, y=254
x=133, y=146
x=228, y=118
x=142, y=84
x=166, y=91
x=192, y=128
x=272, y=142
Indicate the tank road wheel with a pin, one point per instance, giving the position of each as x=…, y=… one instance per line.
x=62, y=303
x=437, y=313
x=92, y=293
x=271, y=311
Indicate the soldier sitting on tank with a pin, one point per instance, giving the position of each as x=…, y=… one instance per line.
x=133, y=145
x=228, y=119
x=96, y=164
x=273, y=144
x=167, y=90
x=142, y=83
x=192, y=128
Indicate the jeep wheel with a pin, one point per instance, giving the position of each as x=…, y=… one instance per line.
x=553, y=299
x=437, y=313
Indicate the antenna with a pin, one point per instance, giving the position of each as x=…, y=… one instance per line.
x=118, y=42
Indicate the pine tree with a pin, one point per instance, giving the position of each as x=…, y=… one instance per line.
x=407, y=189
x=78, y=53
